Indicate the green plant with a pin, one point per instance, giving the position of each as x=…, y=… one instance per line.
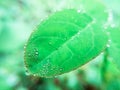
x=69, y=39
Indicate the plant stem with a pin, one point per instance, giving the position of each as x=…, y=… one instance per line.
x=104, y=68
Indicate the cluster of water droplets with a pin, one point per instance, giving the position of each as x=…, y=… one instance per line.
x=27, y=72
x=44, y=68
x=25, y=46
x=36, y=52
x=48, y=69
x=110, y=21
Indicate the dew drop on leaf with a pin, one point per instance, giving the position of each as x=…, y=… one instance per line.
x=109, y=40
x=78, y=11
x=24, y=47
x=36, y=53
x=27, y=73
x=108, y=45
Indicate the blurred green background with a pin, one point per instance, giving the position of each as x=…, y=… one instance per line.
x=18, y=18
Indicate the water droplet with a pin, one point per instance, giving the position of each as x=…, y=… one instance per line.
x=78, y=33
x=110, y=18
x=102, y=53
x=78, y=11
x=36, y=53
x=109, y=40
x=27, y=73
x=24, y=47
x=108, y=45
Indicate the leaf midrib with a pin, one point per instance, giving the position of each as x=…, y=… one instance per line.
x=67, y=40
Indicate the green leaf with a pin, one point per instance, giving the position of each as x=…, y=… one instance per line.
x=65, y=41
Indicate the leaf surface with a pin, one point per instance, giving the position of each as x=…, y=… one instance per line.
x=65, y=41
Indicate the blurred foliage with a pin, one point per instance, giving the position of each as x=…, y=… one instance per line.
x=17, y=20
